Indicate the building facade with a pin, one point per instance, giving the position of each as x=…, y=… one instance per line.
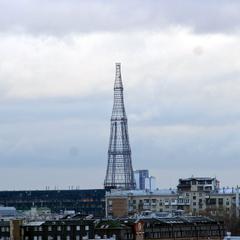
x=64, y=229
x=119, y=229
x=90, y=201
x=198, y=184
x=127, y=203
x=193, y=196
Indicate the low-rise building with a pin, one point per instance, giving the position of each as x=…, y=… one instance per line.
x=63, y=229
x=85, y=201
x=145, y=227
x=198, y=228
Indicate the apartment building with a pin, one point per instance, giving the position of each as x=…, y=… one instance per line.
x=125, y=203
x=193, y=195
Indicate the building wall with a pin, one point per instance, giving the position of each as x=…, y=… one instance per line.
x=125, y=229
x=195, y=202
x=131, y=204
x=5, y=230
x=15, y=229
x=119, y=207
x=59, y=230
x=203, y=184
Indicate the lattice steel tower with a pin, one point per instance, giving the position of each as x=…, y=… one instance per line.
x=119, y=170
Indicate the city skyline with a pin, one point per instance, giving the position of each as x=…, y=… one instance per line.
x=181, y=85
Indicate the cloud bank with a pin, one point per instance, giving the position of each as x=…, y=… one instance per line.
x=180, y=67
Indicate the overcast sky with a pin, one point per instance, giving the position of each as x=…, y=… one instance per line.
x=181, y=75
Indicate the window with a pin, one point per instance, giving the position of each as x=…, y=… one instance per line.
x=39, y=237
x=194, y=198
x=59, y=228
x=86, y=228
x=208, y=188
x=78, y=228
x=220, y=201
x=201, y=182
x=212, y=201
x=49, y=229
x=68, y=228
x=77, y=237
x=68, y=238
x=35, y=238
x=58, y=237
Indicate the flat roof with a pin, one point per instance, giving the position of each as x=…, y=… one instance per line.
x=126, y=193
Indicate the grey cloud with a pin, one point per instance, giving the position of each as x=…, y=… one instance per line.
x=183, y=109
x=63, y=17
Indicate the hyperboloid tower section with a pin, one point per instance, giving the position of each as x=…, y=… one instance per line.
x=119, y=170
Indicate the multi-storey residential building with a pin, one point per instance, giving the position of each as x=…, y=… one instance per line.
x=205, y=195
x=225, y=201
x=194, y=195
x=124, y=203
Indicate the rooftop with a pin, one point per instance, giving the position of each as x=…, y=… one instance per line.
x=142, y=192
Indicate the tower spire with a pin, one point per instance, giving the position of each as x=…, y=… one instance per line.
x=119, y=169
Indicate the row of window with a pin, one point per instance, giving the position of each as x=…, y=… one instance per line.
x=4, y=229
x=181, y=234
x=161, y=202
x=60, y=228
x=77, y=237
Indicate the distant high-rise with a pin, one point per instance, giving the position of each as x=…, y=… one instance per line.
x=119, y=169
x=140, y=176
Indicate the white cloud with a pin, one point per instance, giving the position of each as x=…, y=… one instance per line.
x=169, y=64
x=71, y=16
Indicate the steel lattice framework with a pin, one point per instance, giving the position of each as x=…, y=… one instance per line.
x=119, y=170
